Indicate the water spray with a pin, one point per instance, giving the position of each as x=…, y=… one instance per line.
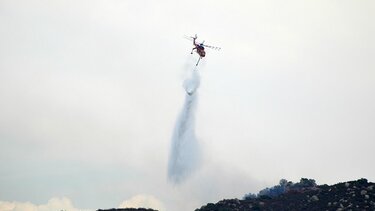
x=185, y=155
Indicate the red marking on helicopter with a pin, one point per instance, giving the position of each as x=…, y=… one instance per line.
x=199, y=47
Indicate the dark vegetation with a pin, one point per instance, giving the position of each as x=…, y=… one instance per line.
x=304, y=195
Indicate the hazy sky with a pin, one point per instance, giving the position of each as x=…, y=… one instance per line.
x=90, y=92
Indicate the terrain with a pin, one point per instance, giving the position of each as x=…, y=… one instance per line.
x=304, y=195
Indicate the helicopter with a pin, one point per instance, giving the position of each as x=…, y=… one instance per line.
x=199, y=47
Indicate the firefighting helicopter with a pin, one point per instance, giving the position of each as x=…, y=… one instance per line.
x=199, y=47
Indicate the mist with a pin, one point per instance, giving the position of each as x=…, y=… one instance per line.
x=185, y=153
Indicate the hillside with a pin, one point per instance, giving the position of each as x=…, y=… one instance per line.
x=304, y=195
x=352, y=195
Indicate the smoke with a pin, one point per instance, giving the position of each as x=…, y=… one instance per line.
x=284, y=186
x=53, y=204
x=184, y=155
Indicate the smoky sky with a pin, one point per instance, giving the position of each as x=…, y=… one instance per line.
x=90, y=92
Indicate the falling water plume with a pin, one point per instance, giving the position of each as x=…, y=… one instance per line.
x=184, y=155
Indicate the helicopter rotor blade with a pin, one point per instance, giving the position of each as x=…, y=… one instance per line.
x=188, y=38
x=212, y=47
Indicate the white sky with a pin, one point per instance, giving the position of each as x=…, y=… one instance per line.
x=90, y=92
